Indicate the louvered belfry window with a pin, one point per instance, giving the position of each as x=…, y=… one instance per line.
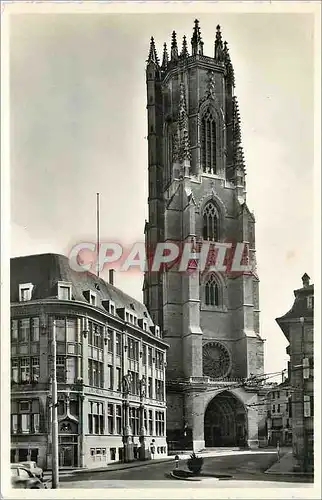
x=208, y=143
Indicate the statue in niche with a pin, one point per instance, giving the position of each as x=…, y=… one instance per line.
x=143, y=386
x=127, y=380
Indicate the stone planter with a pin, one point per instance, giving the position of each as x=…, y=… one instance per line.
x=195, y=464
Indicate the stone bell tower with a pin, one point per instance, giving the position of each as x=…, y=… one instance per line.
x=197, y=194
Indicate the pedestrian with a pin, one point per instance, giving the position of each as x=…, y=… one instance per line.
x=177, y=461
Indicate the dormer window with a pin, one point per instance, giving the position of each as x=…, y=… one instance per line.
x=91, y=297
x=25, y=292
x=64, y=290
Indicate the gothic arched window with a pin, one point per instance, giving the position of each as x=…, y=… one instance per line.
x=212, y=292
x=210, y=222
x=208, y=142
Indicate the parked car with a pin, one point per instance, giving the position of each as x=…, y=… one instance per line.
x=22, y=478
x=33, y=467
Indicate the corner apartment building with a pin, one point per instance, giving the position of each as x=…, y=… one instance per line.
x=110, y=367
x=298, y=327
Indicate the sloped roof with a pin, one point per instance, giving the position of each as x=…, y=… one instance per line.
x=44, y=271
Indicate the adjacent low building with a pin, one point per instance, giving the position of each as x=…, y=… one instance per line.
x=298, y=327
x=110, y=367
x=279, y=415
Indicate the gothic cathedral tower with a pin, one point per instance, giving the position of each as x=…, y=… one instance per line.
x=197, y=192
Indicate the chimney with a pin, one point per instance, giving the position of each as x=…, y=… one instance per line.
x=111, y=276
x=306, y=280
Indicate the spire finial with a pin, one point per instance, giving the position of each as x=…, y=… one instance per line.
x=165, y=59
x=196, y=41
x=218, y=45
x=153, y=56
x=184, y=51
x=174, y=47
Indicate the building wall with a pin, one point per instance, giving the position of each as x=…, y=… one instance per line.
x=79, y=385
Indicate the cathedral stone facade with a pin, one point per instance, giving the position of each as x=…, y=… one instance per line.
x=197, y=194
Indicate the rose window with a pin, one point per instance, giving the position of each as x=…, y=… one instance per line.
x=216, y=360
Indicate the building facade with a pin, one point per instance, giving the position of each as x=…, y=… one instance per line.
x=298, y=327
x=197, y=195
x=279, y=415
x=110, y=368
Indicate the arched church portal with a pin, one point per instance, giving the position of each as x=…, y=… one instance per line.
x=225, y=421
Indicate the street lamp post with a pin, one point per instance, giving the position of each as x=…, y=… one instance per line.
x=54, y=420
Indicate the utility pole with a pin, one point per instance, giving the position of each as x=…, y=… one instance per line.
x=305, y=458
x=54, y=420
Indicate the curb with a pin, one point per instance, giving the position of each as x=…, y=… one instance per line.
x=130, y=465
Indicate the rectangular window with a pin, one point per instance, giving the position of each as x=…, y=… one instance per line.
x=144, y=354
x=134, y=421
x=159, y=423
x=150, y=387
x=273, y=409
x=110, y=418
x=110, y=339
x=25, y=423
x=70, y=370
x=15, y=370
x=150, y=422
x=96, y=418
x=34, y=329
x=95, y=373
x=71, y=329
x=61, y=369
x=133, y=350
x=14, y=424
x=134, y=382
x=24, y=370
x=307, y=406
x=110, y=376
x=118, y=379
x=159, y=390
x=35, y=368
x=95, y=335
x=150, y=356
x=14, y=330
x=25, y=292
x=118, y=419
x=159, y=360
x=24, y=329
x=60, y=329
x=118, y=344
x=64, y=292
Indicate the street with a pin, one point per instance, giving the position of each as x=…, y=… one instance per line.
x=247, y=468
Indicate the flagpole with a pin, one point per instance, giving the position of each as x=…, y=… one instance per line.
x=98, y=231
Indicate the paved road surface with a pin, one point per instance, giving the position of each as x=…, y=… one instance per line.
x=243, y=468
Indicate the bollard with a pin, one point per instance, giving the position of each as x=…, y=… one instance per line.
x=177, y=461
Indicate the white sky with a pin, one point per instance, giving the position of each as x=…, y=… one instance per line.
x=78, y=126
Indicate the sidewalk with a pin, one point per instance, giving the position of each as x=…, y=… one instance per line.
x=286, y=466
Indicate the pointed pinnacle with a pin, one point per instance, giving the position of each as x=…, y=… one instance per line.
x=153, y=57
x=174, y=47
x=218, y=45
x=196, y=41
x=184, y=51
x=229, y=67
x=165, y=58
